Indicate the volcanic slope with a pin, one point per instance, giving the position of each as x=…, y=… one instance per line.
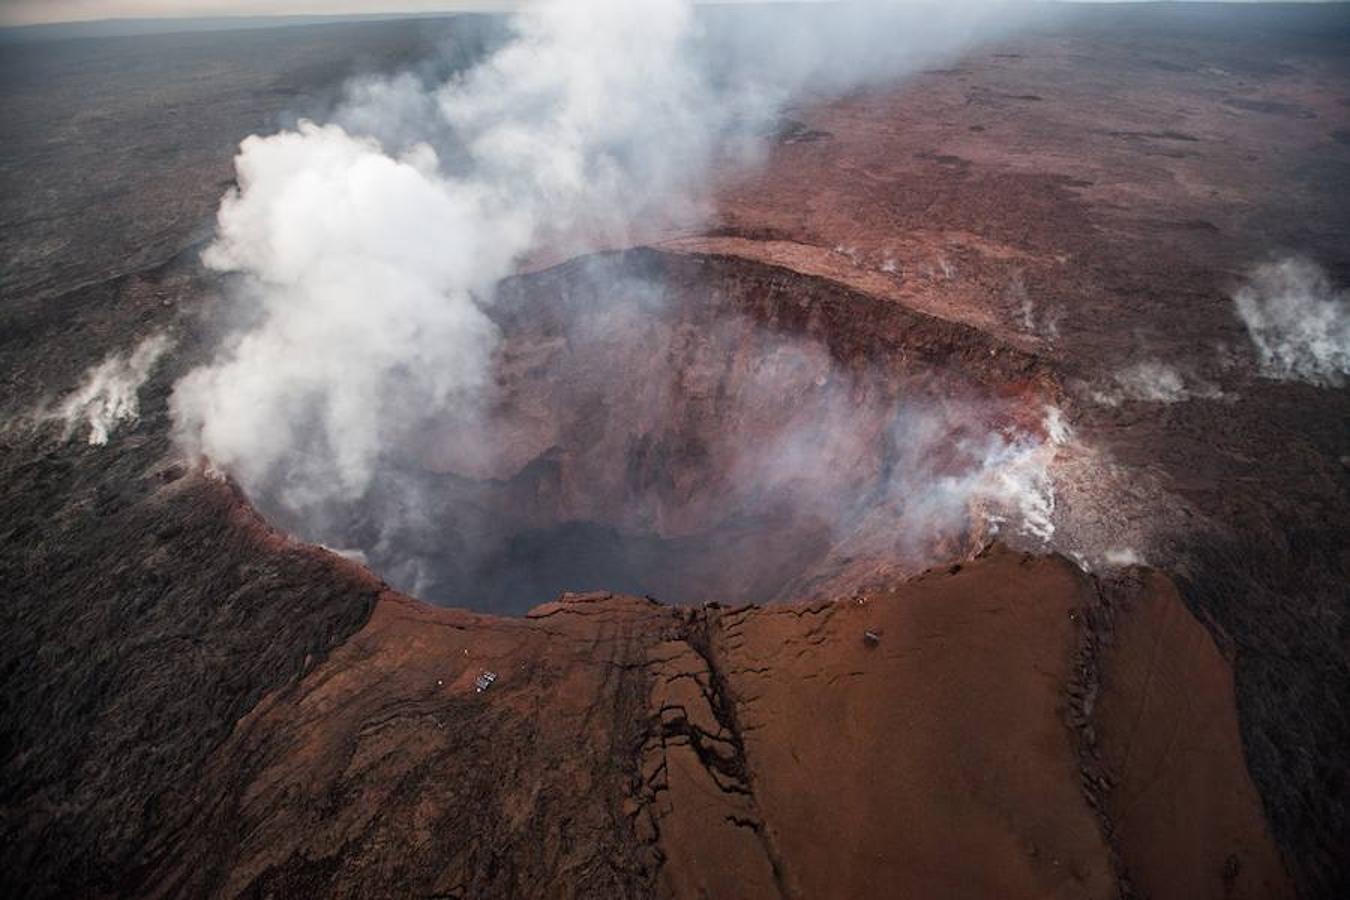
x=838, y=748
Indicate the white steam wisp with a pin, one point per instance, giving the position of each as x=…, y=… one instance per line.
x=1299, y=323
x=109, y=395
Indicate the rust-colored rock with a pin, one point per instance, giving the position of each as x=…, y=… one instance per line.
x=628, y=748
x=1187, y=818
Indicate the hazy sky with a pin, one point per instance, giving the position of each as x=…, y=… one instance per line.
x=29, y=12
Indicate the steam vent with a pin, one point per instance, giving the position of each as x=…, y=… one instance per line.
x=649, y=449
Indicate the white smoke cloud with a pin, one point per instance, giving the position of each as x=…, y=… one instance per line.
x=372, y=266
x=1298, y=321
x=372, y=246
x=962, y=470
x=1154, y=381
x=109, y=395
x=1044, y=326
x=952, y=464
x=367, y=268
x=372, y=269
x=949, y=478
x=1123, y=557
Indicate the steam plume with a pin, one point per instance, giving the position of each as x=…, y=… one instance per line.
x=372, y=246
x=1154, y=381
x=110, y=393
x=1298, y=321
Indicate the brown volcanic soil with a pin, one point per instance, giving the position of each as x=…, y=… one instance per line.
x=632, y=748
x=196, y=705
x=1172, y=777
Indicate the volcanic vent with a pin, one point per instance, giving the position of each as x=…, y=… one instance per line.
x=699, y=428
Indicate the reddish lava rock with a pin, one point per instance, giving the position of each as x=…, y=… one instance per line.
x=749, y=752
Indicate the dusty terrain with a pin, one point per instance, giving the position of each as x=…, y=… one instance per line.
x=198, y=705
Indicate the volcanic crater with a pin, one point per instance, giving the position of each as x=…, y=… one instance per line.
x=199, y=704
x=698, y=427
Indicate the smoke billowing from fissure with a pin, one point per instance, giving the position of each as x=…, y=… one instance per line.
x=378, y=400
x=109, y=394
x=1298, y=321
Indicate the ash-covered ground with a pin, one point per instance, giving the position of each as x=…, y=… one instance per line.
x=199, y=703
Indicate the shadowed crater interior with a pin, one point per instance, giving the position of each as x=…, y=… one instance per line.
x=693, y=428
